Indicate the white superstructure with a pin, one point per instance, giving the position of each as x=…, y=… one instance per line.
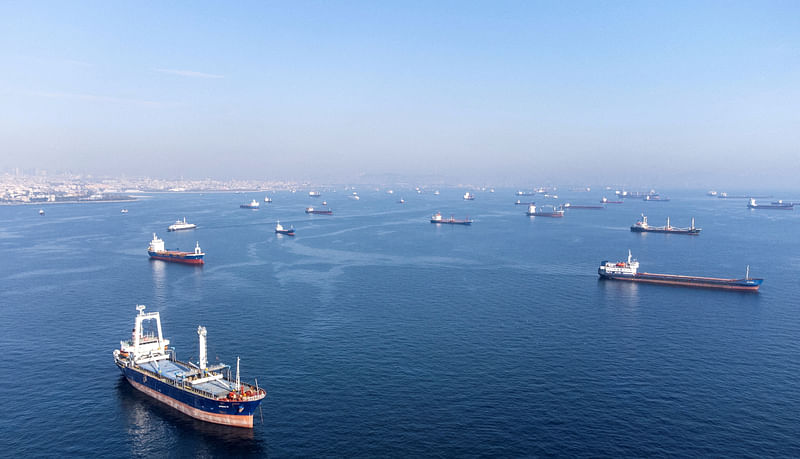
x=145, y=345
x=437, y=217
x=628, y=268
x=156, y=245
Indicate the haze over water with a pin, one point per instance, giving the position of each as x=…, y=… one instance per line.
x=680, y=94
x=377, y=333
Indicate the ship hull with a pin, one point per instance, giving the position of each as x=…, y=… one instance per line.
x=189, y=258
x=770, y=207
x=748, y=285
x=225, y=412
x=288, y=233
x=319, y=212
x=537, y=214
x=691, y=232
x=445, y=222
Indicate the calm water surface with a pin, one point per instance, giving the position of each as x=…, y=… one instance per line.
x=377, y=333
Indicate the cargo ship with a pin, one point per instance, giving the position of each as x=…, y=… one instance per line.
x=311, y=210
x=267, y=199
x=779, y=206
x=204, y=392
x=181, y=225
x=654, y=197
x=157, y=252
x=628, y=271
x=281, y=230
x=552, y=211
x=582, y=206
x=469, y=196
x=526, y=193
x=606, y=201
x=520, y=203
x=253, y=205
x=641, y=226
x=314, y=194
x=437, y=218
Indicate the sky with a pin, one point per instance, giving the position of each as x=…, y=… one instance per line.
x=670, y=93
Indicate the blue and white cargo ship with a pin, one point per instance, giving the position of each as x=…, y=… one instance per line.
x=198, y=390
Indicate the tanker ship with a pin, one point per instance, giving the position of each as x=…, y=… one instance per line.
x=437, y=218
x=204, y=392
x=628, y=271
x=552, y=211
x=779, y=205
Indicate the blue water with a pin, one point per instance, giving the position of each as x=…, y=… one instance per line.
x=377, y=333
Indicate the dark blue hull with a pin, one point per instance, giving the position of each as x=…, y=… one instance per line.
x=687, y=281
x=237, y=413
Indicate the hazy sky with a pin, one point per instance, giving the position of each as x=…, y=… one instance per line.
x=647, y=92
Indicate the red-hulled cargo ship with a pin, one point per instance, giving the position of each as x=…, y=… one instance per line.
x=157, y=251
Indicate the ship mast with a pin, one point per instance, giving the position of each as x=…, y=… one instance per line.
x=238, y=382
x=201, y=332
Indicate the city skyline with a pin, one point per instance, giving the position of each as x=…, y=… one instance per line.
x=680, y=94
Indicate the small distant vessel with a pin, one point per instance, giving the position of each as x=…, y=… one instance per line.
x=314, y=194
x=628, y=271
x=355, y=196
x=491, y=190
x=281, y=230
x=401, y=201
x=437, y=218
x=606, y=201
x=157, y=251
x=654, y=197
x=573, y=206
x=712, y=193
x=779, y=206
x=520, y=203
x=123, y=211
x=469, y=196
x=267, y=199
x=197, y=390
x=641, y=226
x=253, y=205
x=436, y=193
x=41, y=211
x=181, y=225
x=389, y=191
x=526, y=193
x=311, y=210
x=551, y=211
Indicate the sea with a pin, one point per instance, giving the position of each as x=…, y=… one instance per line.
x=379, y=334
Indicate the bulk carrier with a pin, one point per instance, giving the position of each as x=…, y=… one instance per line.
x=197, y=390
x=628, y=271
x=641, y=226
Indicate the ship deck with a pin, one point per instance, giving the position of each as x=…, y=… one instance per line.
x=170, y=370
